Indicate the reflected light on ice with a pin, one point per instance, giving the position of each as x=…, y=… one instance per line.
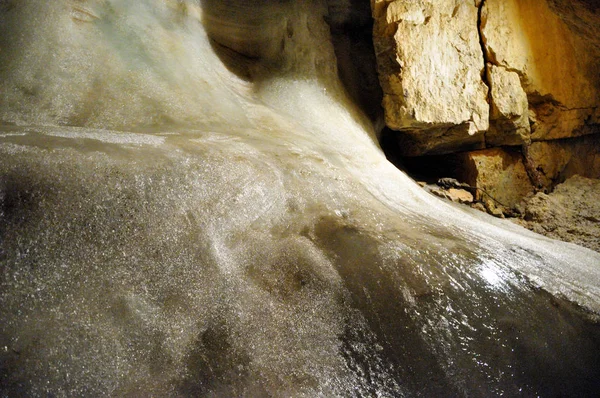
x=191, y=205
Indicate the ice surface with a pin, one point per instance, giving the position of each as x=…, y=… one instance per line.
x=191, y=209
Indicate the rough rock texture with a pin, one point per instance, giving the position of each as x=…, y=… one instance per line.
x=460, y=196
x=556, y=68
x=528, y=67
x=571, y=213
x=498, y=175
x=430, y=67
x=453, y=194
x=436, y=61
x=509, y=113
x=558, y=160
x=582, y=17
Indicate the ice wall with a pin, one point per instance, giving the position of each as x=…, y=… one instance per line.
x=191, y=205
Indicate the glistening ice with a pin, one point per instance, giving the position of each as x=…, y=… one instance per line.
x=192, y=205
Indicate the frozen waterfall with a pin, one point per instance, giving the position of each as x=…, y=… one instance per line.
x=193, y=204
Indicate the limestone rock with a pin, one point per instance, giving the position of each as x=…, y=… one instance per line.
x=498, y=175
x=540, y=59
x=440, y=192
x=494, y=208
x=555, y=65
x=451, y=189
x=582, y=17
x=560, y=159
x=554, y=121
x=570, y=213
x=430, y=66
x=460, y=196
x=440, y=140
x=448, y=183
x=479, y=206
x=509, y=110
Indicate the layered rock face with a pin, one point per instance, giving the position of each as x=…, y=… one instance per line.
x=461, y=75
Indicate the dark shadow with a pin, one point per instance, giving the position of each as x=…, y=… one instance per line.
x=243, y=32
x=420, y=168
x=388, y=141
x=253, y=39
x=351, y=26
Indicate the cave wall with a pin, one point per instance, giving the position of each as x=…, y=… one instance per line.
x=430, y=69
x=495, y=77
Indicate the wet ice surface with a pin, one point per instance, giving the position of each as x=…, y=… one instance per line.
x=220, y=264
x=267, y=250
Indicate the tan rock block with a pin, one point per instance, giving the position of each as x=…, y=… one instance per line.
x=430, y=70
x=460, y=196
x=498, y=174
x=509, y=108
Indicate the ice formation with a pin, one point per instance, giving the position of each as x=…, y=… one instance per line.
x=190, y=205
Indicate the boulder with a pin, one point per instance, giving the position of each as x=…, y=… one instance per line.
x=498, y=175
x=430, y=67
x=460, y=196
